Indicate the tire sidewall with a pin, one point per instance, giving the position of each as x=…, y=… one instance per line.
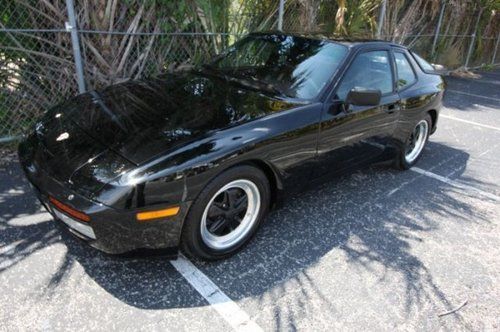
x=192, y=241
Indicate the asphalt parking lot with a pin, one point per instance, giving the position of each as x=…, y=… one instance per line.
x=378, y=249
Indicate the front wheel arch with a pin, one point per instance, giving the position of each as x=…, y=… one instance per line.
x=274, y=179
x=272, y=174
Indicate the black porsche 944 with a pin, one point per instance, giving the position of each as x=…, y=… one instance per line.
x=196, y=158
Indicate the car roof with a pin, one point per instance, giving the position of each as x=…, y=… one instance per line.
x=347, y=41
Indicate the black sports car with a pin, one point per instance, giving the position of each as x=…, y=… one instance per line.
x=195, y=159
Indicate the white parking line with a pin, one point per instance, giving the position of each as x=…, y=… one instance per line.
x=29, y=219
x=455, y=183
x=472, y=95
x=227, y=308
x=469, y=122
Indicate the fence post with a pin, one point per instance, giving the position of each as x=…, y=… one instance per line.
x=280, y=15
x=75, y=42
x=493, y=59
x=473, y=41
x=381, y=18
x=438, y=29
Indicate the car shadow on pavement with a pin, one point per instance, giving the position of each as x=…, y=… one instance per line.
x=370, y=219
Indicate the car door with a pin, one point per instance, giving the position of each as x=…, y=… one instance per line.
x=351, y=135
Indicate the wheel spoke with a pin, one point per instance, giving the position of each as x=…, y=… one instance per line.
x=218, y=225
x=235, y=222
x=232, y=197
x=230, y=226
x=225, y=198
x=241, y=204
x=215, y=210
x=238, y=211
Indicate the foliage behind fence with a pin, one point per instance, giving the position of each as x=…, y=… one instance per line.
x=122, y=40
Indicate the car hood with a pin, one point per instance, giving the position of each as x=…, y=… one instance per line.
x=104, y=133
x=141, y=119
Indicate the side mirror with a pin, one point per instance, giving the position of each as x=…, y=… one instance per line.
x=363, y=97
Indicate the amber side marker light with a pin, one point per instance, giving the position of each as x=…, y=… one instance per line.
x=143, y=216
x=69, y=210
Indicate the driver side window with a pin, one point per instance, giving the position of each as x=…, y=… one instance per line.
x=369, y=70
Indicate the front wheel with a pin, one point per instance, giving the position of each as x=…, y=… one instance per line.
x=415, y=144
x=226, y=214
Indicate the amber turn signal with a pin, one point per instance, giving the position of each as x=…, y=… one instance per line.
x=172, y=211
x=69, y=210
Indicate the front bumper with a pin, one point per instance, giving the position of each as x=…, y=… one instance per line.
x=110, y=230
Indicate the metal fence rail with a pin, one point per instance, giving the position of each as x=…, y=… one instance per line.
x=62, y=56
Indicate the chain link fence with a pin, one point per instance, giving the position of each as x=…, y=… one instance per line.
x=41, y=51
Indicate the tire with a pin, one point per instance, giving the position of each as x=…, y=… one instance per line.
x=211, y=230
x=409, y=156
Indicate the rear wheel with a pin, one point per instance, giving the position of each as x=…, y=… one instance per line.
x=226, y=214
x=415, y=144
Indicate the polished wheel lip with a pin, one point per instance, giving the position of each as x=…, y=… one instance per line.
x=416, y=141
x=246, y=224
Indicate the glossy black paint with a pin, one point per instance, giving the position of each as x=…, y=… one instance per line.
x=150, y=144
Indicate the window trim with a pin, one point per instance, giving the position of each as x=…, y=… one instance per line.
x=397, y=74
x=353, y=58
x=415, y=57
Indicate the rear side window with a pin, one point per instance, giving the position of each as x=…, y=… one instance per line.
x=369, y=70
x=422, y=63
x=406, y=75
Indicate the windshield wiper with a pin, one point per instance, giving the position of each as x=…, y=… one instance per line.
x=252, y=83
x=256, y=85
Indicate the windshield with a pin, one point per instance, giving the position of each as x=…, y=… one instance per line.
x=295, y=66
